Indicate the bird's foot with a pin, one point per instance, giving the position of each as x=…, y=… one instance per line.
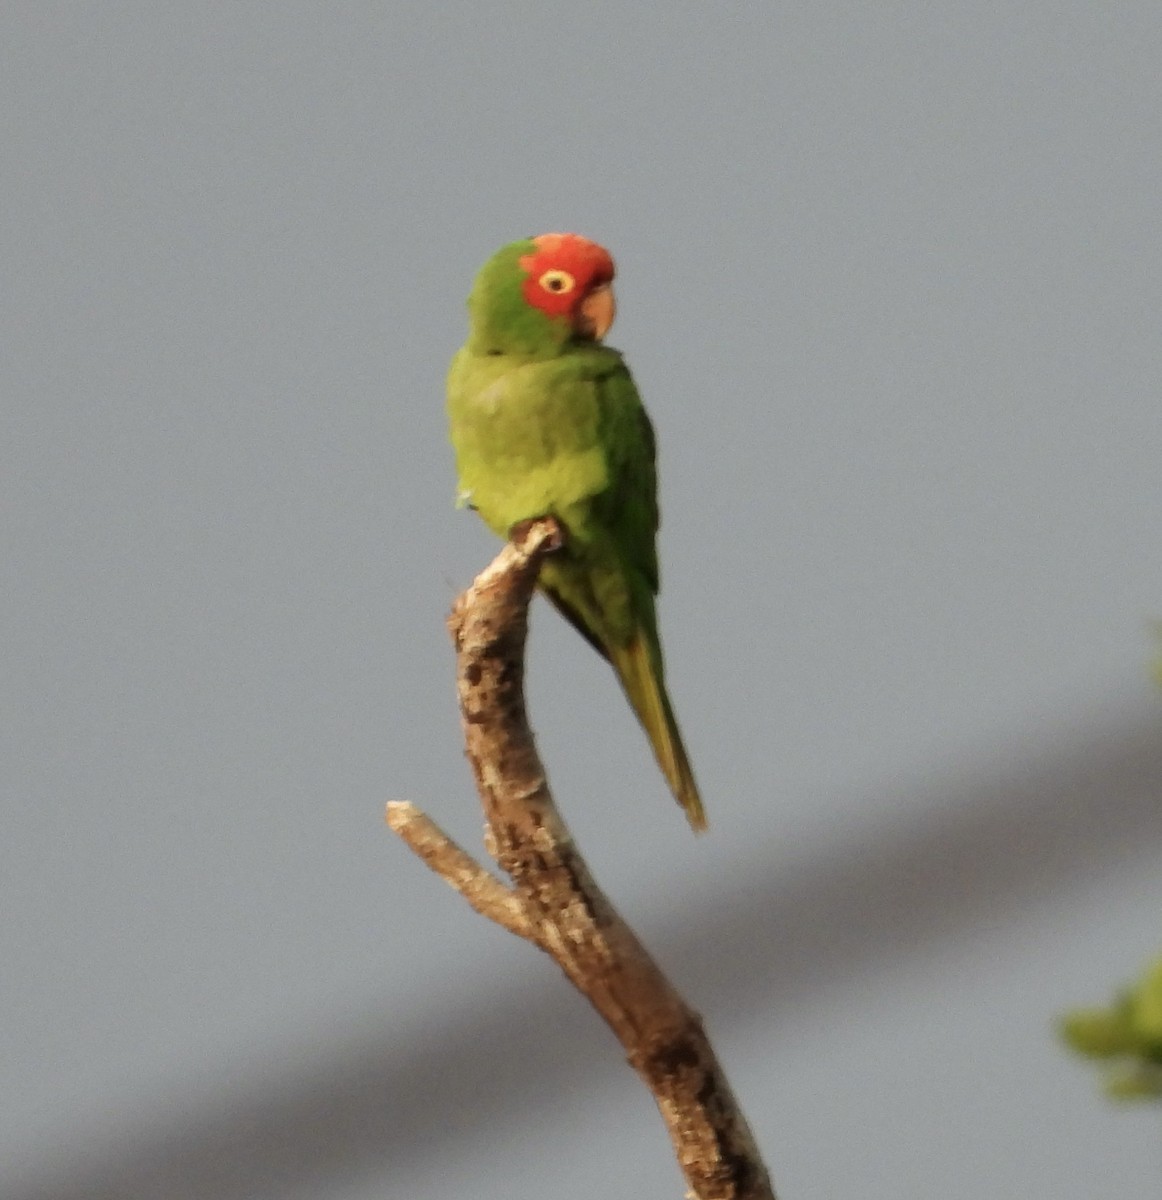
x=519, y=532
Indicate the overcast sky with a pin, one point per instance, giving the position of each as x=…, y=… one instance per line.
x=889, y=282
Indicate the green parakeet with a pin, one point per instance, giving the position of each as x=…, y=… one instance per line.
x=545, y=420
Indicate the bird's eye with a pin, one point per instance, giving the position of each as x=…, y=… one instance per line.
x=557, y=282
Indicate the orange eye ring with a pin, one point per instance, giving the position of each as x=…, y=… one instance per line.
x=557, y=282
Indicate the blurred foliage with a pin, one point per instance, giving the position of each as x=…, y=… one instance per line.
x=1125, y=1038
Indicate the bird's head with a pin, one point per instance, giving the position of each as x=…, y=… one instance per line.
x=536, y=295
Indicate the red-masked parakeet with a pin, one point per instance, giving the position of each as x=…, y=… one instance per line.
x=545, y=420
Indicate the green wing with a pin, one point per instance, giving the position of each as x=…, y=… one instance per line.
x=632, y=498
x=604, y=582
x=618, y=583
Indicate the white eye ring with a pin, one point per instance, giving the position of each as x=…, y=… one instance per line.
x=558, y=282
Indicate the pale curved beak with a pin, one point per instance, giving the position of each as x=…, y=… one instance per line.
x=596, y=312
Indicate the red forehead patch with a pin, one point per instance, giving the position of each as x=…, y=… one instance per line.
x=590, y=263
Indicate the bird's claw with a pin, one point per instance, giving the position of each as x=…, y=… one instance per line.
x=519, y=532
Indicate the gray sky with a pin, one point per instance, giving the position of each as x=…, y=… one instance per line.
x=889, y=281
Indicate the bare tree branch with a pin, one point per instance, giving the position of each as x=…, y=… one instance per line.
x=554, y=901
x=487, y=895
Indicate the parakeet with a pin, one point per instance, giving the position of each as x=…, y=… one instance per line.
x=546, y=421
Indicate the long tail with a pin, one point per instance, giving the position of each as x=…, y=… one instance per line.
x=639, y=669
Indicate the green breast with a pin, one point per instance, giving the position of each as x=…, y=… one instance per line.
x=528, y=435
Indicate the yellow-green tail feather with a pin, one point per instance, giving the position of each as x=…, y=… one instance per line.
x=640, y=674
